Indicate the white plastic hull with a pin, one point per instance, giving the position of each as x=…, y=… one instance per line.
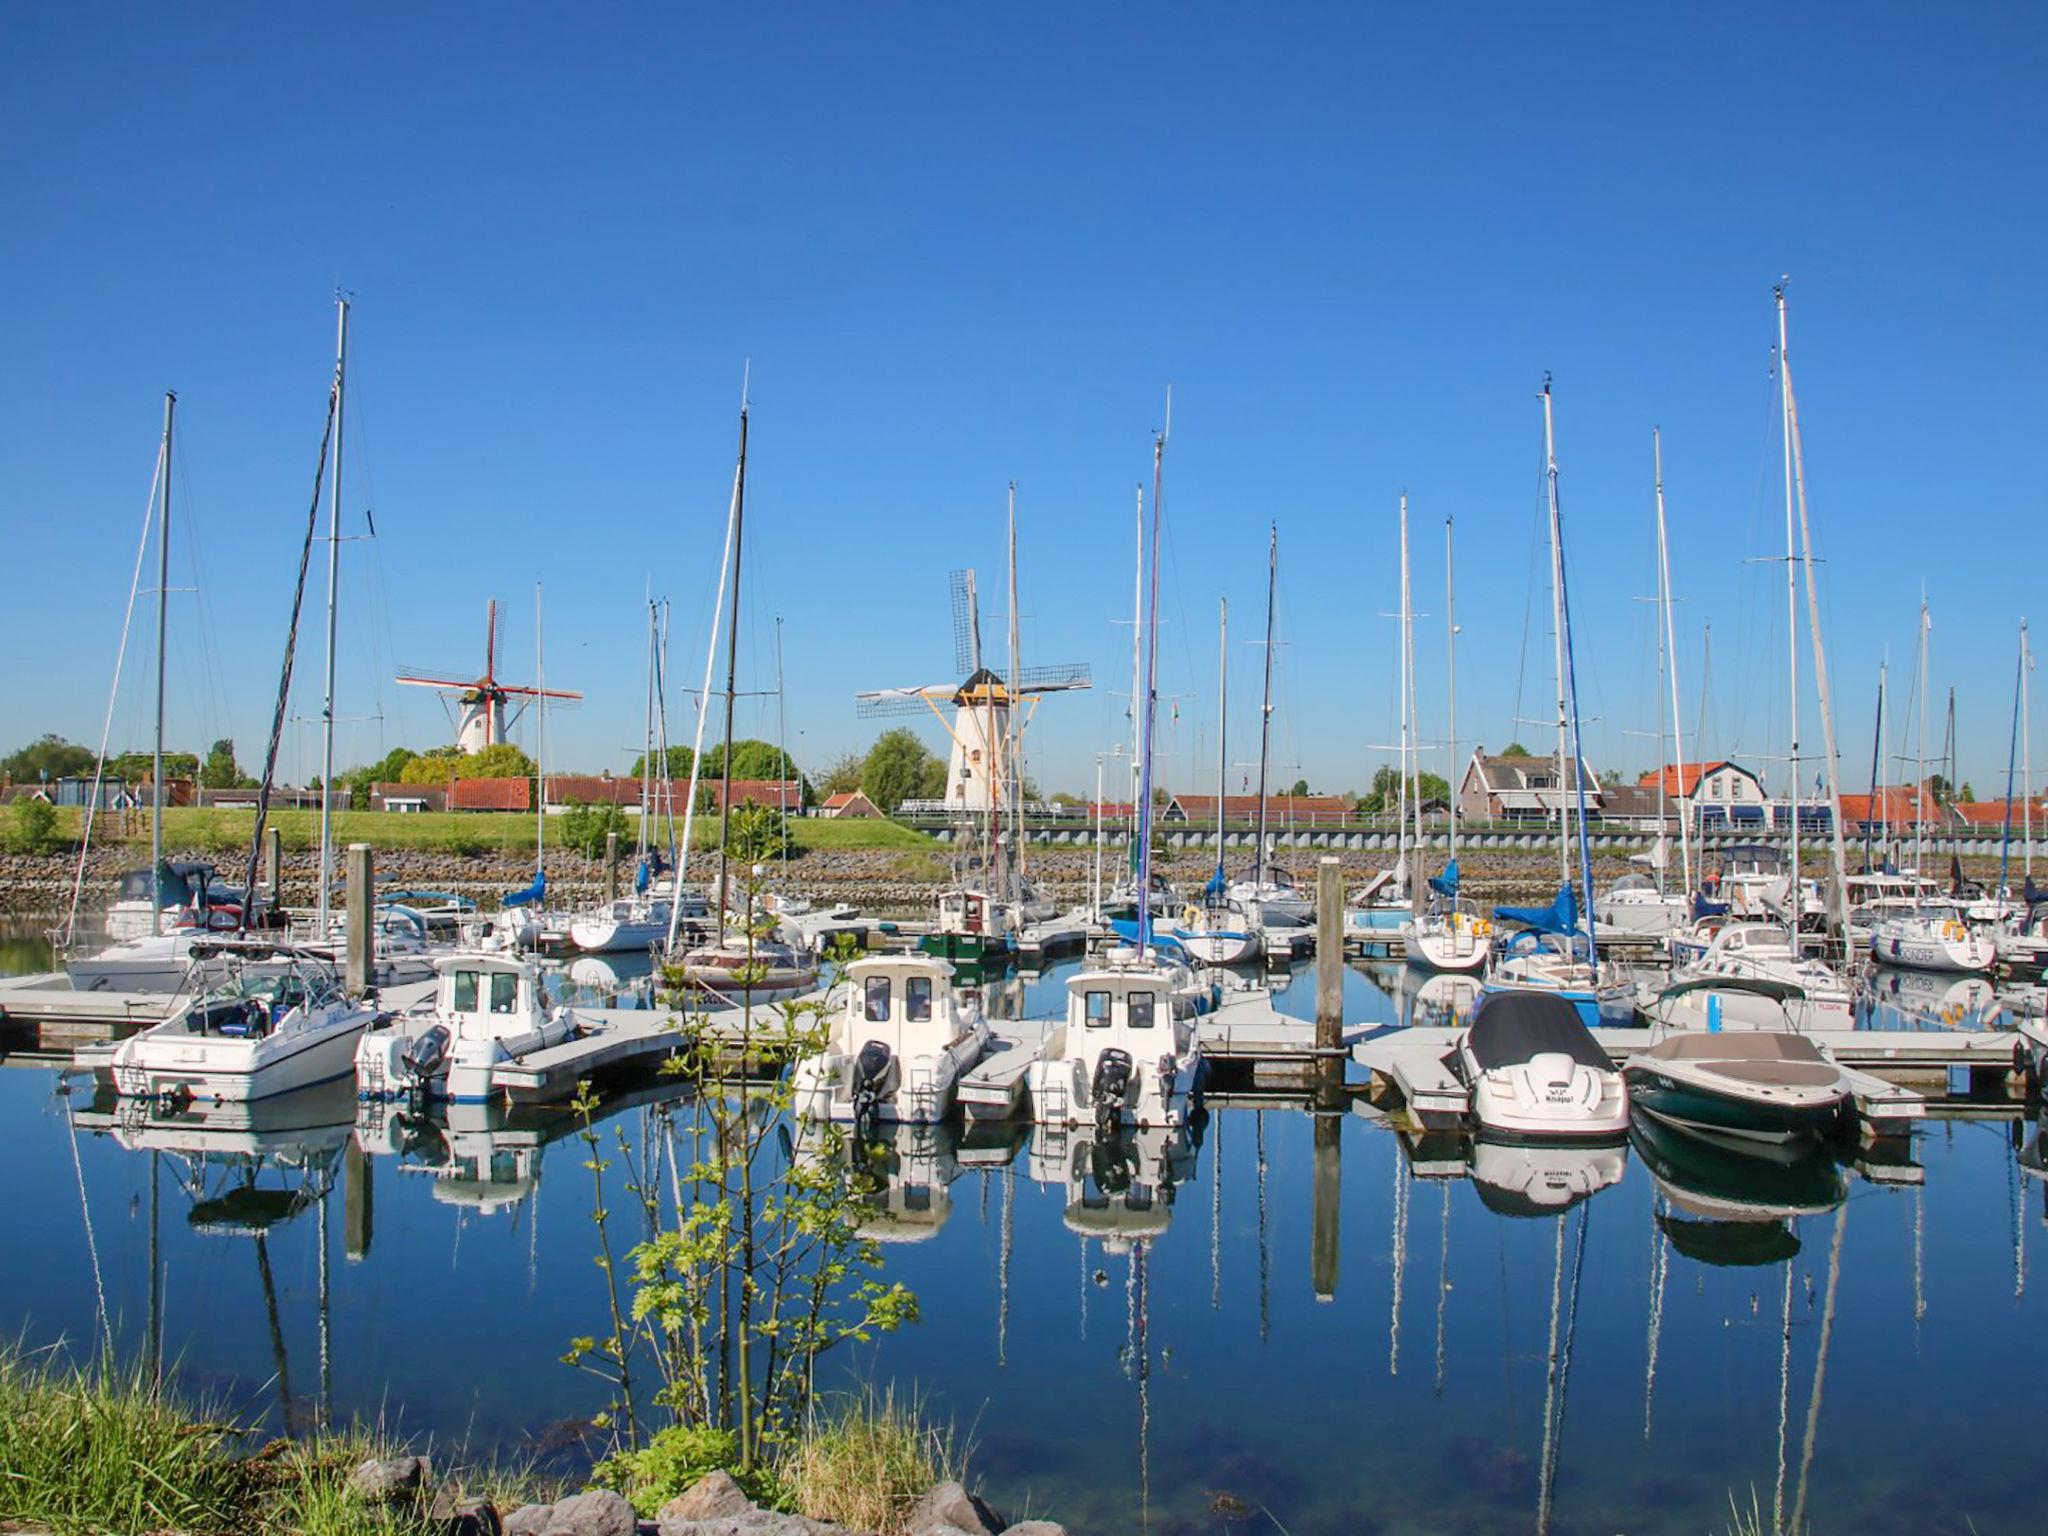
x=159, y=1066
x=1434, y=944
x=1059, y=1094
x=610, y=938
x=1917, y=950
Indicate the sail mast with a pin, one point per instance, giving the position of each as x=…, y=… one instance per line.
x=1795, y=899
x=1266, y=701
x=1222, y=697
x=1564, y=824
x=1013, y=727
x=1451, y=663
x=163, y=599
x=540, y=742
x=1407, y=707
x=2012, y=752
x=1137, y=676
x=1147, y=707
x=2027, y=749
x=333, y=591
x=787, y=770
x=1920, y=751
x=732, y=666
x=1670, y=648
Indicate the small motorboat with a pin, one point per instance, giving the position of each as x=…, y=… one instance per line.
x=898, y=1047
x=1634, y=905
x=1126, y=1053
x=1731, y=1002
x=971, y=925
x=1764, y=952
x=280, y=1020
x=488, y=1010
x=1758, y=1084
x=1536, y=1073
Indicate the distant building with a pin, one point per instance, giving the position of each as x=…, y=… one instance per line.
x=1518, y=788
x=491, y=795
x=1243, y=810
x=1634, y=807
x=785, y=793
x=852, y=804
x=410, y=798
x=567, y=789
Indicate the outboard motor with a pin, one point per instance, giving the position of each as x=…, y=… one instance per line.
x=870, y=1067
x=1111, y=1086
x=426, y=1055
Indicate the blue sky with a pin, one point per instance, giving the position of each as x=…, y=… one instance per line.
x=963, y=246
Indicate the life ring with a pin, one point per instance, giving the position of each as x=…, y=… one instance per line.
x=1191, y=916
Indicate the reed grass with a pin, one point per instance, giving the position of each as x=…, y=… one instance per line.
x=866, y=1459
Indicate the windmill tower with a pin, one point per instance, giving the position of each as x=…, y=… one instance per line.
x=480, y=705
x=988, y=712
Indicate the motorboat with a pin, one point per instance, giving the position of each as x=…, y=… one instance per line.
x=279, y=1021
x=1126, y=1053
x=898, y=1047
x=1935, y=938
x=1691, y=1002
x=1764, y=951
x=971, y=925
x=1535, y=1072
x=1634, y=906
x=1756, y=1084
x=1120, y=1181
x=1519, y=1178
x=488, y=1010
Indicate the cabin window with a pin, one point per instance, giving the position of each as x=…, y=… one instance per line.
x=1140, y=1009
x=504, y=991
x=1095, y=1012
x=465, y=991
x=877, y=991
x=917, y=999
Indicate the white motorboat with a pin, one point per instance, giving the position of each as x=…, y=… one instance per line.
x=488, y=1010
x=1126, y=1053
x=898, y=1047
x=160, y=900
x=1690, y=1002
x=1521, y=1178
x=1932, y=939
x=1763, y=951
x=1535, y=1072
x=279, y=1021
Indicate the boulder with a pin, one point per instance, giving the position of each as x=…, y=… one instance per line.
x=528, y=1520
x=753, y=1522
x=1036, y=1528
x=389, y=1482
x=709, y=1498
x=598, y=1513
x=465, y=1517
x=950, y=1504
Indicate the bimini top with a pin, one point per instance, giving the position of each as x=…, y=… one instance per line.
x=1513, y=1027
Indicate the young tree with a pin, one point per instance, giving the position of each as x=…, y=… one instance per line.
x=221, y=771
x=842, y=774
x=899, y=767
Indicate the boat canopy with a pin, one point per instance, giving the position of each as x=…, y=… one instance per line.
x=1510, y=1028
x=533, y=895
x=1561, y=916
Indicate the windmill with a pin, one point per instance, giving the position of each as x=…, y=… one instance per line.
x=978, y=769
x=483, y=721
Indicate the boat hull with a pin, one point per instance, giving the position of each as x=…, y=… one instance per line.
x=1695, y=1106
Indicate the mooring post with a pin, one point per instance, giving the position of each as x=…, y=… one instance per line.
x=1329, y=962
x=355, y=1201
x=611, y=866
x=1328, y=1180
x=273, y=848
x=360, y=924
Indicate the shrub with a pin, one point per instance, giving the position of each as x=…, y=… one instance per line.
x=674, y=1460
x=584, y=827
x=31, y=827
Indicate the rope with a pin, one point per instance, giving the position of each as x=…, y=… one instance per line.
x=291, y=641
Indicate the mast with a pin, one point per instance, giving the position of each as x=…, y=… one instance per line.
x=1451, y=661
x=1013, y=728
x=1876, y=769
x=1149, y=706
x=1137, y=678
x=1222, y=696
x=643, y=839
x=782, y=745
x=1407, y=706
x=2027, y=749
x=1569, y=686
x=163, y=600
x=540, y=742
x=1266, y=700
x=1564, y=825
x=333, y=592
x=1669, y=647
x=2012, y=752
x=1795, y=902
x=1920, y=750
x=1413, y=739
x=732, y=663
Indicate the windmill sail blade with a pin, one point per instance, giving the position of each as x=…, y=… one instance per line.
x=966, y=622
x=1052, y=679
x=898, y=701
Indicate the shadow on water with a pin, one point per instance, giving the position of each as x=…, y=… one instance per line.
x=1270, y=1319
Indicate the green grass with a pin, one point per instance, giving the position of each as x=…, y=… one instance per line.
x=208, y=830
x=866, y=1459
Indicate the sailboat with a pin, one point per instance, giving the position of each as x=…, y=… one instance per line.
x=1127, y=1052
x=1635, y=905
x=1270, y=891
x=1557, y=954
x=1222, y=928
x=1449, y=935
x=743, y=962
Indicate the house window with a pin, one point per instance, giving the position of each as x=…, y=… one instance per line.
x=878, y=999
x=1096, y=1010
x=917, y=999
x=504, y=991
x=465, y=991
x=1139, y=1006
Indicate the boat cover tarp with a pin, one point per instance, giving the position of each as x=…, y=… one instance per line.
x=1446, y=884
x=1513, y=1027
x=1702, y=907
x=1126, y=928
x=1561, y=916
x=533, y=895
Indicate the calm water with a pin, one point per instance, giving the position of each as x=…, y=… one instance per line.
x=1302, y=1314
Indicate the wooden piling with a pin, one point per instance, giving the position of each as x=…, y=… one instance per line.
x=361, y=925
x=1330, y=969
x=611, y=866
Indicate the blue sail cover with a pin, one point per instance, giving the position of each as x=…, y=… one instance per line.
x=1127, y=930
x=1446, y=884
x=1217, y=888
x=1702, y=907
x=1561, y=916
x=533, y=895
x=642, y=878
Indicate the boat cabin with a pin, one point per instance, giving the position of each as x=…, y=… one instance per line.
x=1126, y=1005
x=483, y=996
x=972, y=912
x=906, y=1002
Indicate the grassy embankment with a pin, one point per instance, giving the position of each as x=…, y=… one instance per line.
x=452, y=832
x=106, y=1451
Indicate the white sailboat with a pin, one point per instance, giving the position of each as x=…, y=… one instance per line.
x=1271, y=891
x=1222, y=928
